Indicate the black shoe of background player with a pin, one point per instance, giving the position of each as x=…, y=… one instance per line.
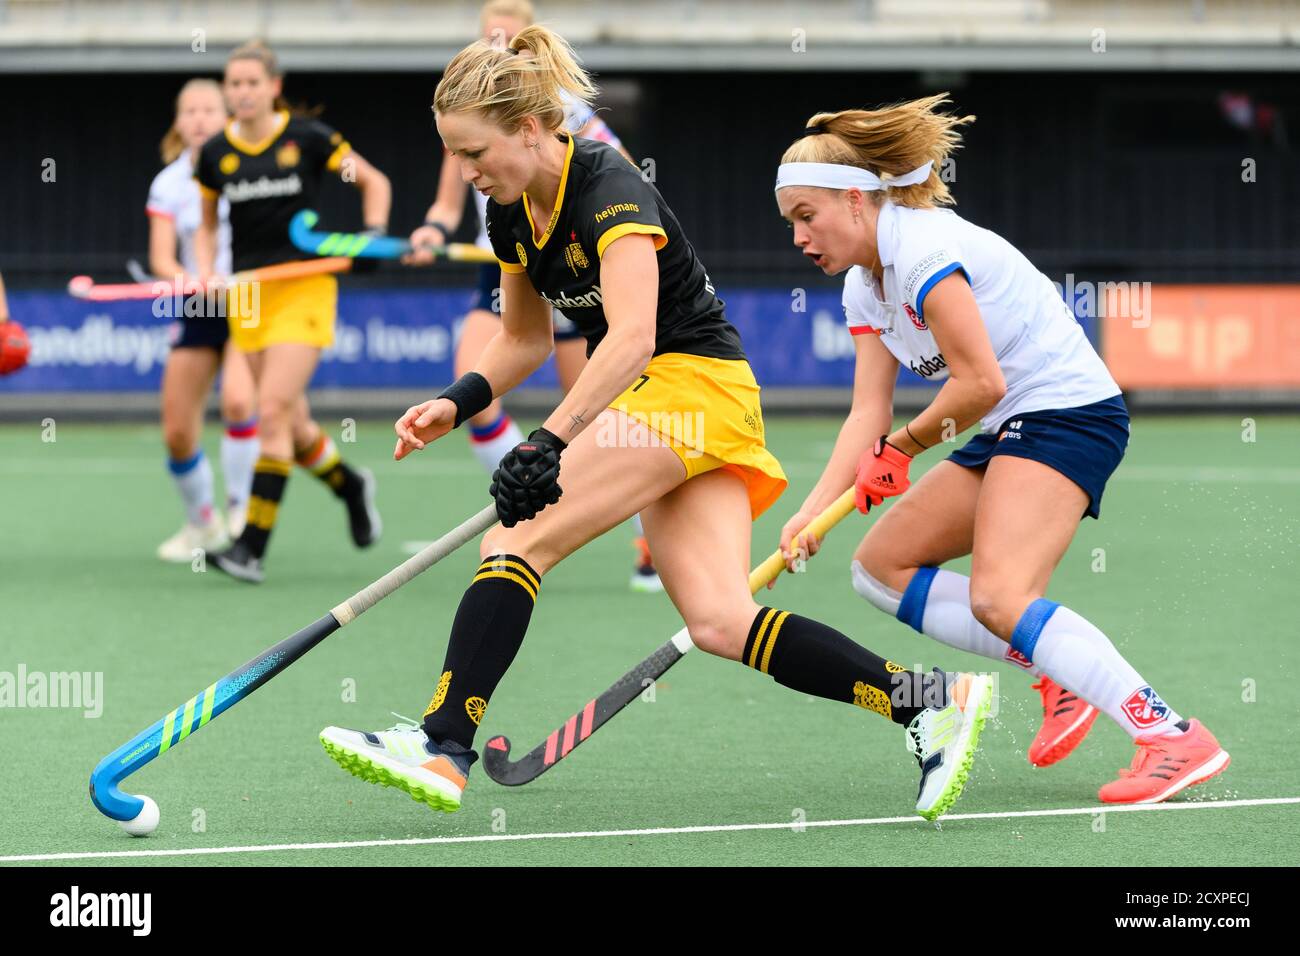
x=363, y=516
x=238, y=561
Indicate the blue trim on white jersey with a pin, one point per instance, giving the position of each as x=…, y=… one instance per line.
x=943, y=273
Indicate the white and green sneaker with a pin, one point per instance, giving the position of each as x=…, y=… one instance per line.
x=403, y=756
x=944, y=739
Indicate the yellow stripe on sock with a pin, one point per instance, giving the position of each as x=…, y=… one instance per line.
x=273, y=466
x=771, y=640
x=498, y=563
x=330, y=461
x=509, y=575
x=262, y=513
x=758, y=640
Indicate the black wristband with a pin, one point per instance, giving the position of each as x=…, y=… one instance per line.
x=541, y=436
x=470, y=393
x=441, y=227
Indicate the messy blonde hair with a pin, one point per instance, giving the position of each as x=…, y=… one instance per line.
x=525, y=79
x=173, y=144
x=889, y=141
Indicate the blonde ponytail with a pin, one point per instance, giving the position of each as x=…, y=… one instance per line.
x=889, y=141
x=527, y=78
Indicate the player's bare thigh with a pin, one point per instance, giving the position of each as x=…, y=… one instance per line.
x=187, y=379
x=700, y=535
x=1026, y=518
x=238, y=393
x=933, y=522
x=602, y=485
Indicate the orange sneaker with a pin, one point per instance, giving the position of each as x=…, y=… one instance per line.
x=1066, y=721
x=645, y=578
x=1166, y=765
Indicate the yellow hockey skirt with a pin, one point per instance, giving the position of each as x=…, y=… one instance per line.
x=707, y=410
x=301, y=311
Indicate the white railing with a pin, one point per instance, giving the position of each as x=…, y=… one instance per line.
x=648, y=34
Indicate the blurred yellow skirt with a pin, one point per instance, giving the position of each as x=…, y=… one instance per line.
x=707, y=410
x=287, y=310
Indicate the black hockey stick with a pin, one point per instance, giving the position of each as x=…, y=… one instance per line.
x=563, y=740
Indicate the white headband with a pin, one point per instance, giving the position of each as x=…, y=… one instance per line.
x=836, y=176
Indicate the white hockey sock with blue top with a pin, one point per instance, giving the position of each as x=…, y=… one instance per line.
x=491, y=442
x=937, y=603
x=1082, y=659
x=240, y=448
x=193, y=477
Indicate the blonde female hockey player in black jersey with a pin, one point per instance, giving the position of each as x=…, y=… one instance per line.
x=574, y=224
x=269, y=165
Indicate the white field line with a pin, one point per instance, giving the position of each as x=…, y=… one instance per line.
x=651, y=831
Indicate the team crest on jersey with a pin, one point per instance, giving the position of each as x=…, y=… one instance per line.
x=916, y=319
x=1145, y=708
x=229, y=164
x=519, y=251
x=288, y=155
x=576, y=257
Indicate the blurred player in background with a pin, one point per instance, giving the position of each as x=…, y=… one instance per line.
x=492, y=433
x=200, y=344
x=269, y=165
x=660, y=343
x=14, y=345
x=956, y=303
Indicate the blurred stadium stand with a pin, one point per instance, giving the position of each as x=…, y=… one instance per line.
x=1118, y=166
x=82, y=35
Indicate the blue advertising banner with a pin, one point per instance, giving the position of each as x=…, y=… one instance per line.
x=402, y=339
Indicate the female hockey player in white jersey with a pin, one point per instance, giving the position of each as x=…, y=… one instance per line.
x=956, y=303
x=199, y=343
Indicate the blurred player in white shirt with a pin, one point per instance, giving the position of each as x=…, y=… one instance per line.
x=200, y=344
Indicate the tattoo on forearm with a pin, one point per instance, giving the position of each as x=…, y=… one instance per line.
x=577, y=421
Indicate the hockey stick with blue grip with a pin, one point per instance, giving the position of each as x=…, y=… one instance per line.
x=219, y=696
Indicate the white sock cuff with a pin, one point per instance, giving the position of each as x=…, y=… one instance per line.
x=885, y=598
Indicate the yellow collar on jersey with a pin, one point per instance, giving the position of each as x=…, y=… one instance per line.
x=256, y=149
x=559, y=203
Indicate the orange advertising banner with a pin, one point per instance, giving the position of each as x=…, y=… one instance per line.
x=1201, y=336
